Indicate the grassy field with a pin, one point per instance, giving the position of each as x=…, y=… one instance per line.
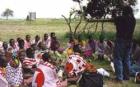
x=19, y=28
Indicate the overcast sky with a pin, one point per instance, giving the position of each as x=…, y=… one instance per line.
x=43, y=8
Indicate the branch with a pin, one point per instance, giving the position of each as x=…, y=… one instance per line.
x=68, y=22
x=85, y=26
x=81, y=17
x=77, y=26
x=96, y=25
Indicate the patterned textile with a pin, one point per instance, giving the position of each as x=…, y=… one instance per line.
x=29, y=62
x=75, y=64
x=3, y=81
x=14, y=76
x=46, y=76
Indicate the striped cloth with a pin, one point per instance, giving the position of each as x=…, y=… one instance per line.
x=46, y=76
x=29, y=62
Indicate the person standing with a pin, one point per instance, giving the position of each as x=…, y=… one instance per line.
x=125, y=25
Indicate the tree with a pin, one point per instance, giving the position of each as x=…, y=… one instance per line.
x=8, y=12
x=93, y=12
x=75, y=17
x=99, y=9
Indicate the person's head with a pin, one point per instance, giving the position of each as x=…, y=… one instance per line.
x=2, y=62
x=45, y=36
x=30, y=53
x=18, y=39
x=21, y=43
x=12, y=59
x=12, y=42
x=37, y=38
x=28, y=38
x=46, y=57
x=52, y=34
x=76, y=49
x=8, y=56
x=14, y=62
x=5, y=45
x=71, y=40
x=21, y=55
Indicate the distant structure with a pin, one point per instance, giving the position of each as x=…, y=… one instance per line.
x=31, y=16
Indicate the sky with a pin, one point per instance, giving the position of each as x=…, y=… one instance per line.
x=43, y=8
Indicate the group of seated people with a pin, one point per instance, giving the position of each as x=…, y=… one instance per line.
x=30, y=63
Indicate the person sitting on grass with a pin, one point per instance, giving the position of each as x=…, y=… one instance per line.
x=92, y=43
x=14, y=73
x=37, y=40
x=79, y=71
x=135, y=67
x=54, y=43
x=75, y=65
x=41, y=46
x=46, y=76
x=100, y=49
x=27, y=42
x=29, y=61
x=4, y=47
x=21, y=44
x=13, y=46
x=47, y=40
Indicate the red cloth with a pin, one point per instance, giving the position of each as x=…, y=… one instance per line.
x=40, y=78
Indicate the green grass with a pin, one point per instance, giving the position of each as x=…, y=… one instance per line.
x=19, y=28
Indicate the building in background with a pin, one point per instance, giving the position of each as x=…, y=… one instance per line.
x=31, y=16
